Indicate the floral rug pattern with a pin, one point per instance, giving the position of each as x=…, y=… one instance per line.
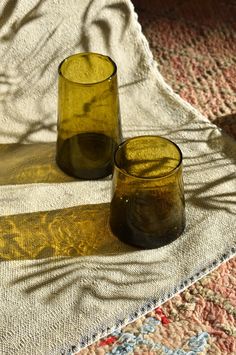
x=200, y=320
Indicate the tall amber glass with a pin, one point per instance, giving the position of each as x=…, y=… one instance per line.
x=88, y=115
x=147, y=207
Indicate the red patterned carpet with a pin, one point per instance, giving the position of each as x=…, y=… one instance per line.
x=199, y=321
x=194, y=43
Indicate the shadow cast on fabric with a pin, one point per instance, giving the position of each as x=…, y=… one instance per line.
x=103, y=25
x=57, y=275
x=200, y=193
x=75, y=231
x=67, y=270
x=8, y=11
x=35, y=163
x=30, y=163
x=23, y=81
x=227, y=123
x=83, y=230
x=18, y=85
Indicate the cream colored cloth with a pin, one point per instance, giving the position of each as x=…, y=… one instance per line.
x=57, y=305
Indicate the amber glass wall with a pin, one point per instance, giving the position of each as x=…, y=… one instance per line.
x=147, y=207
x=88, y=115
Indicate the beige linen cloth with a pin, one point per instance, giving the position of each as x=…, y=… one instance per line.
x=65, y=280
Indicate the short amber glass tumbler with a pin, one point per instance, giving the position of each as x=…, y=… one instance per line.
x=88, y=115
x=148, y=206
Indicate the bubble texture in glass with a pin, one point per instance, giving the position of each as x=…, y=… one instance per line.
x=147, y=207
x=88, y=115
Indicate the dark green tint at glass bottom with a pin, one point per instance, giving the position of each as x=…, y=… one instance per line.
x=86, y=155
x=146, y=220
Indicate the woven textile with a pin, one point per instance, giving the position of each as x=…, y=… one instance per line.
x=194, y=43
x=201, y=319
x=59, y=303
x=195, y=59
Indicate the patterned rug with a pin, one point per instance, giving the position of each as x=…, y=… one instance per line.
x=200, y=320
x=194, y=45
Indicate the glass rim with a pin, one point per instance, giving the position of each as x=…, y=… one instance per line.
x=123, y=171
x=114, y=72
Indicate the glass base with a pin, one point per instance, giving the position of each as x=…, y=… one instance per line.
x=86, y=156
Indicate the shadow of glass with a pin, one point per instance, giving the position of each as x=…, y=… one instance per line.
x=76, y=231
x=30, y=163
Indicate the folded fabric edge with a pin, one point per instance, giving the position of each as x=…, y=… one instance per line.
x=148, y=306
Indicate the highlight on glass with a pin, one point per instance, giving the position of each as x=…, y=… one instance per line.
x=88, y=115
x=148, y=206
